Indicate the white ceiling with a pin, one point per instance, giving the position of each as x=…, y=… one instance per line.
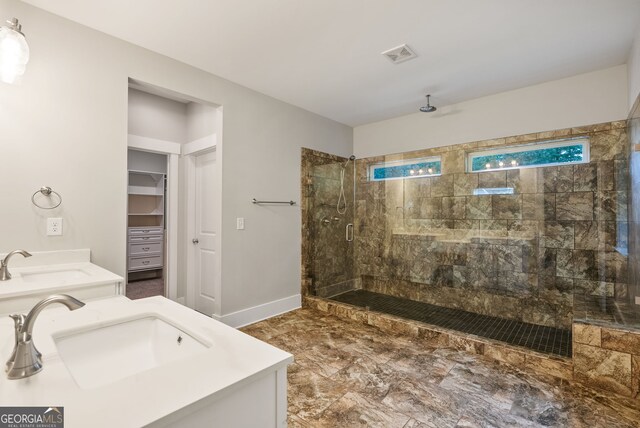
x=324, y=55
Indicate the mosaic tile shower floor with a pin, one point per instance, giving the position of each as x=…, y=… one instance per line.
x=536, y=337
x=348, y=374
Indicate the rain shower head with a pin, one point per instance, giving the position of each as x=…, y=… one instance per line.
x=428, y=108
x=351, y=158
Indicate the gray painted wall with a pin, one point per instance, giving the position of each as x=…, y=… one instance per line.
x=65, y=126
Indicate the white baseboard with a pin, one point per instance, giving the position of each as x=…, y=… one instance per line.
x=261, y=312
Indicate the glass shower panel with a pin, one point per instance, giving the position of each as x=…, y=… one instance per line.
x=460, y=251
x=330, y=218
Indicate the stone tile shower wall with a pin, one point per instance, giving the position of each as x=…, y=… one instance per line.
x=327, y=257
x=519, y=256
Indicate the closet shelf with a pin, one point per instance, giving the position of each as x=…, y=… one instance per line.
x=157, y=175
x=146, y=193
x=155, y=213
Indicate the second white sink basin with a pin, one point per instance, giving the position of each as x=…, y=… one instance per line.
x=103, y=355
x=54, y=275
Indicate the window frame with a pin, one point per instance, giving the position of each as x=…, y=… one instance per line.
x=584, y=141
x=403, y=162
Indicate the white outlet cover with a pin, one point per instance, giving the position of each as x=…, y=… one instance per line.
x=54, y=226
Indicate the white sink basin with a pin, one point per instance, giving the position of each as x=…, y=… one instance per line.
x=103, y=355
x=54, y=275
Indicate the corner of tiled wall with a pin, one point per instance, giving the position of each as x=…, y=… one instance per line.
x=607, y=359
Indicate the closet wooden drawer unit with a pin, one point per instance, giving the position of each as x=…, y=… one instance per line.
x=146, y=248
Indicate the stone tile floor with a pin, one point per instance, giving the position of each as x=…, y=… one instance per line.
x=348, y=374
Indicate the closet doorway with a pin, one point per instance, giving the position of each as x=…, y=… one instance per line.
x=146, y=244
x=179, y=208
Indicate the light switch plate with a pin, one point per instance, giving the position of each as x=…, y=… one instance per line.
x=637, y=300
x=54, y=226
x=240, y=223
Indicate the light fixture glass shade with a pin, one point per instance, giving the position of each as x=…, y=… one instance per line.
x=14, y=55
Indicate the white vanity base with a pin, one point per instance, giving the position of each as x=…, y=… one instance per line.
x=261, y=403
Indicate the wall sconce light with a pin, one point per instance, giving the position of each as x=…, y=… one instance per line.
x=14, y=52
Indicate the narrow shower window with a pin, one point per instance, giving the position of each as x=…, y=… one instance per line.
x=545, y=153
x=407, y=168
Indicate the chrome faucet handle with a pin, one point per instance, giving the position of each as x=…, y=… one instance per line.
x=26, y=360
x=18, y=320
x=4, y=264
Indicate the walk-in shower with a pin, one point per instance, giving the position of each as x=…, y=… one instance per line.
x=503, y=254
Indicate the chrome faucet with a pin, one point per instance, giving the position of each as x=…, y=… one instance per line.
x=4, y=264
x=25, y=359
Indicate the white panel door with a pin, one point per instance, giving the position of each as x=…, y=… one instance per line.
x=204, y=241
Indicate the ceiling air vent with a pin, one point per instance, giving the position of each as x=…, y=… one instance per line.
x=399, y=54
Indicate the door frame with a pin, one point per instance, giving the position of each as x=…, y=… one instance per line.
x=175, y=152
x=190, y=164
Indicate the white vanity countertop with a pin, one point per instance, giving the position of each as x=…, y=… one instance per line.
x=59, y=270
x=81, y=274
x=179, y=387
